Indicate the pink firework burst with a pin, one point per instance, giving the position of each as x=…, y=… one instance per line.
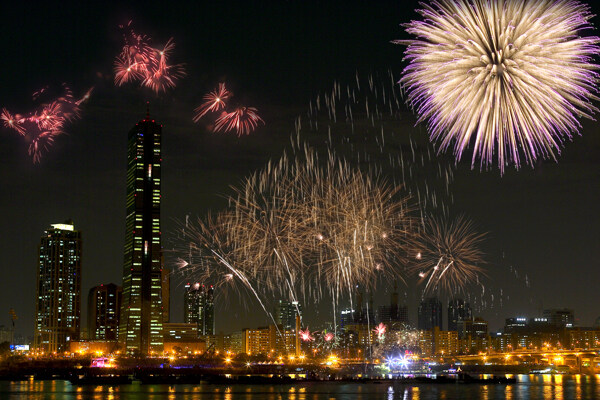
x=243, y=120
x=40, y=127
x=140, y=62
x=305, y=335
x=213, y=102
x=380, y=330
x=13, y=121
x=329, y=336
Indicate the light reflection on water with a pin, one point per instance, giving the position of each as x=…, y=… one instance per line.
x=530, y=387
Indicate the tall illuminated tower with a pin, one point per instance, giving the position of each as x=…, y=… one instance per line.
x=58, y=290
x=141, y=322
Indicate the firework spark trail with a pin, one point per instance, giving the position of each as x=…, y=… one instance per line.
x=377, y=137
x=451, y=244
x=41, y=126
x=302, y=230
x=213, y=102
x=246, y=282
x=509, y=77
x=139, y=62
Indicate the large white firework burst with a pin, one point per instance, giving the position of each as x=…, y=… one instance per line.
x=509, y=78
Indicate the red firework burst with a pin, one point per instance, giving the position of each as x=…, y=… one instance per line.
x=213, y=102
x=139, y=61
x=41, y=126
x=243, y=120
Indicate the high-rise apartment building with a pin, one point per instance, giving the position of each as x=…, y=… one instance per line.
x=58, y=289
x=285, y=313
x=199, y=307
x=142, y=312
x=104, y=308
x=430, y=314
x=458, y=310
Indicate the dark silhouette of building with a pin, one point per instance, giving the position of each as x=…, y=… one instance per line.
x=199, y=307
x=285, y=313
x=104, y=308
x=458, y=310
x=394, y=313
x=563, y=318
x=142, y=312
x=430, y=314
x=475, y=328
x=166, y=292
x=58, y=289
x=363, y=313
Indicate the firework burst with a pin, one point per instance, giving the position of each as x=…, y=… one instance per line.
x=509, y=78
x=301, y=231
x=447, y=254
x=213, y=102
x=40, y=127
x=243, y=120
x=306, y=336
x=380, y=331
x=140, y=62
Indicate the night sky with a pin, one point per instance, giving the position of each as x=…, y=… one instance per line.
x=543, y=245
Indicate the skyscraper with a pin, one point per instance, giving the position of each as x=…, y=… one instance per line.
x=58, y=289
x=199, y=307
x=104, y=308
x=140, y=325
x=430, y=314
x=285, y=313
x=458, y=310
x=190, y=303
x=394, y=313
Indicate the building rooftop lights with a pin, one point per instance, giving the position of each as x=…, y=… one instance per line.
x=63, y=227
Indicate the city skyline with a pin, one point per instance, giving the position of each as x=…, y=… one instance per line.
x=542, y=249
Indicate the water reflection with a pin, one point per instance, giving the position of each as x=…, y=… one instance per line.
x=530, y=387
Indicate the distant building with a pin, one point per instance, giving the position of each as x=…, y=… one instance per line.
x=190, y=303
x=458, y=310
x=58, y=289
x=563, y=317
x=430, y=314
x=438, y=342
x=6, y=334
x=174, y=331
x=475, y=328
x=104, y=308
x=346, y=317
x=142, y=311
x=269, y=340
x=237, y=342
x=516, y=324
x=182, y=338
x=199, y=307
x=285, y=313
x=394, y=313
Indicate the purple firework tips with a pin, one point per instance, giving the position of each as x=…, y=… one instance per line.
x=508, y=77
